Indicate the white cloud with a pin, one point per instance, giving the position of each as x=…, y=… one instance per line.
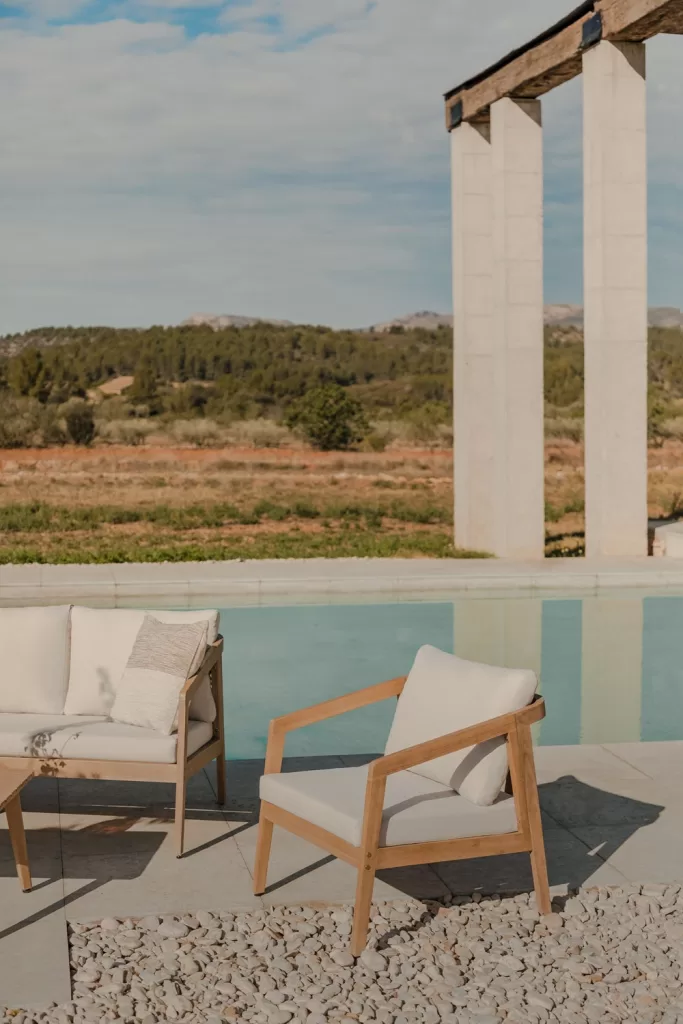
x=144, y=174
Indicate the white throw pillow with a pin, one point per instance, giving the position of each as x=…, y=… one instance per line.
x=34, y=659
x=444, y=693
x=101, y=643
x=163, y=657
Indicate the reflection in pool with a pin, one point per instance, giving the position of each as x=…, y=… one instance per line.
x=611, y=666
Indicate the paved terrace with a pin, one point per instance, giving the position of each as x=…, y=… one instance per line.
x=612, y=814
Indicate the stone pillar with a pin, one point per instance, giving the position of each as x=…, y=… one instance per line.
x=474, y=406
x=517, y=157
x=615, y=297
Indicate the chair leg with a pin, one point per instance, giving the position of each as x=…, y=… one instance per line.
x=220, y=779
x=263, y=844
x=361, y=913
x=180, y=796
x=539, y=867
x=15, y=825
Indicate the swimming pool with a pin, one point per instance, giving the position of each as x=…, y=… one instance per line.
x=611, y=665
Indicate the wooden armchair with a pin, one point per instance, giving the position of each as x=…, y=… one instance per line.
x=383, y=815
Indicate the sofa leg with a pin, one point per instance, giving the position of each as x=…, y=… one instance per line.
x=15, y=824
x=263, y=844
x=180, y=795
x=220, y=779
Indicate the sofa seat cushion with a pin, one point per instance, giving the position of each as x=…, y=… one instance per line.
x=444, y=694
x=92, y=738
x=416, y=810
x=102, y=641
x=34, y=659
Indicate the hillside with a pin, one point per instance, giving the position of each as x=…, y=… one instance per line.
x=253, y=372
x=236, y=371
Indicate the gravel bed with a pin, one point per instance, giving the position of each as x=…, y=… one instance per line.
x=608, y=955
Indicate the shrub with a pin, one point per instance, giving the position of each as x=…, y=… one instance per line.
x=382, y=435
x=672, y=428
x=116, y=408
x=134, y=432
x=25, y=423
x=200, y=433
x=426, y=424
x=329, y=418
x=564, y=427
x=260, y=434
x=80, y=423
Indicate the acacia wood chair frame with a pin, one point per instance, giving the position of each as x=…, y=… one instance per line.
x=185, y=765
x=370, y=857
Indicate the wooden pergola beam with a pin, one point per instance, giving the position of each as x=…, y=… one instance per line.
x=556, y=56
x=640, y=19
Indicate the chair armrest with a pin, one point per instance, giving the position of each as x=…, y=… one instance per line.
x=492, y=729
x=279, y=727
x=213, y=653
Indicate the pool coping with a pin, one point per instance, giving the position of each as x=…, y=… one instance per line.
x=257, y=580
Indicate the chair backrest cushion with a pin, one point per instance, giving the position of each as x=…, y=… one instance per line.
x=102, y=640
x=34, y=659
x=444, y=693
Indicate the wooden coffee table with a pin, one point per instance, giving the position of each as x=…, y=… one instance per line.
x=11, y=785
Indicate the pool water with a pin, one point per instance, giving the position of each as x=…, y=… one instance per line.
x=611, y=667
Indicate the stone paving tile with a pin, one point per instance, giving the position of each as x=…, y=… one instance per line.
x=32, y=925
x=656, y=760
x=650, y=854
x=137, y=872
x=584, y=762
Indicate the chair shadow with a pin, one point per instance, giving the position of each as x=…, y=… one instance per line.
x=567, y=805
x=112, y=849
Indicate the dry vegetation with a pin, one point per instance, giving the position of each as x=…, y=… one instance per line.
x=123, y=504
x=162, y=503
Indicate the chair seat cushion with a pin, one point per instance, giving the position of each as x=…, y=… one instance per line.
x=416, y=810
x=92, y=738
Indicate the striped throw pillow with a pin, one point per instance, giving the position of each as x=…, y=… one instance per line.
x=164, y=656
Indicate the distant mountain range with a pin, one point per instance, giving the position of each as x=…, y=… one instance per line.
x=557, y=315
x=221, y=320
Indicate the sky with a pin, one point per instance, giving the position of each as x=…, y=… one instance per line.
x=276, y=158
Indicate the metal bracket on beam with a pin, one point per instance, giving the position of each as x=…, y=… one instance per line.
x=455, y=115
x=591, y=32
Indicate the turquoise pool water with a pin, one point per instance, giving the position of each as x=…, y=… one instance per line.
x=611, y=666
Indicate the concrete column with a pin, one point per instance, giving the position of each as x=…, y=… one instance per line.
x=615, y=297
x=474, y=405
x=517, y=156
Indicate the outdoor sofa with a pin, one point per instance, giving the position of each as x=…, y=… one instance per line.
x=60, y=668
x=460, y=732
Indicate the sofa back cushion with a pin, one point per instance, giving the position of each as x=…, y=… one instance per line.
x=444, y=693
x=102, y=640
x=34, y=659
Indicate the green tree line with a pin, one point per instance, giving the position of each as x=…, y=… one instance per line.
x=264, y=369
